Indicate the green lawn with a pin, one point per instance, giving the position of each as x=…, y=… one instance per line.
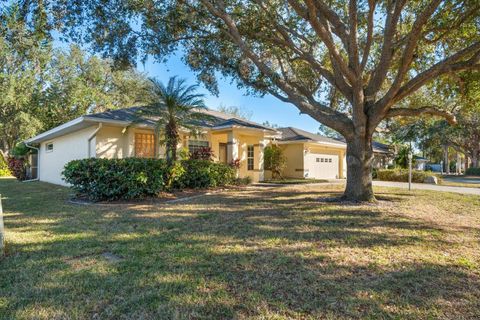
x=261, y=253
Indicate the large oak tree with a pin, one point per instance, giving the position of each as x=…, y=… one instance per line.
x=370, y=54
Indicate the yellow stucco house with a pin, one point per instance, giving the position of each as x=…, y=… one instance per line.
x=119, y=134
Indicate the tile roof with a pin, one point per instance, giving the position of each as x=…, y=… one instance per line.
x=295, y=134
x=214, y=119
x=381, y=147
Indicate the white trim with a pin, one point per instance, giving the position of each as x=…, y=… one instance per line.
x=111, y=121
x=343, y=146
x=56, y=129
x=231, y=126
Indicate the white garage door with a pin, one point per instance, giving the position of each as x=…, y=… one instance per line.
x=321, y=166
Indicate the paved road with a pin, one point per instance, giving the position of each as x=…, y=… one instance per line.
x=462, y=179
x=423, y=186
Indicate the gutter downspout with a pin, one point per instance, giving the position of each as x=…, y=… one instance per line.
x=93, y=135
x=38, y=163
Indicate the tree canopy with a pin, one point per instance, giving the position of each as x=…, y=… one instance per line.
x=369, y=55
x=461, y=93
x=42, y=87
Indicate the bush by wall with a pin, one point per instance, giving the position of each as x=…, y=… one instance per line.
x=275, y=161
x=18, y=167
x=112, y=179
x=401, y=175
x=473, y=172
x=199, y=174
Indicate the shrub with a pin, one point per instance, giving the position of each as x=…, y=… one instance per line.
x=275, y=161
x=112, y=179
x=199, y=174
x=473, y=172
x=4, y=171
x=18, y=167
x=401, y=175
x=203, y=153
x=242, y=181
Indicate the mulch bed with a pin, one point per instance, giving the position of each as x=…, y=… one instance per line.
x=163, y=197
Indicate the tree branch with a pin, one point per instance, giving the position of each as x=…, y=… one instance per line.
x=327, y=13
x=411, y=45
x=368, y=43
x=323, y=32
x=381, y=70
x=322, y=113
x=443, y=67
x=353, y=55
x=432, y=110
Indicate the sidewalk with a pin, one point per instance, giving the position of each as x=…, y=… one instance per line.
x=423, y=186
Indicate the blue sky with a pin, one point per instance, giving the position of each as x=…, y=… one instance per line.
x=263, y=109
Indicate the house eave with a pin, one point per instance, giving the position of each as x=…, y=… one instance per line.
x=231, y=127
x=68, y=127
x=322, y=143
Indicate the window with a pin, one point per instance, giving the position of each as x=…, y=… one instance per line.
x=194, y=145
x=144, y=145
x=49, y=147
x=250, y=157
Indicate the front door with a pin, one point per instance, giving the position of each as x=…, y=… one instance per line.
x=222, y=153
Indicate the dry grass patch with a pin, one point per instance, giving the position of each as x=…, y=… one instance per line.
x=278, y=253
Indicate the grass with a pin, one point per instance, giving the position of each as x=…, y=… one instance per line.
x=266, y=253
x=295, y=181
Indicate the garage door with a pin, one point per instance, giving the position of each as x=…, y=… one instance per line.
x=321, y=166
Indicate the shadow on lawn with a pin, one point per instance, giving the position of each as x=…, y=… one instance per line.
x=225, y=256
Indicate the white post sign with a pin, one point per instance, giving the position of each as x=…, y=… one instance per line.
x=2, y=231
x=410, y=156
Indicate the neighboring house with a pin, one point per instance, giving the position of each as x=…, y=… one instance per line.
x=384, y=155
x=420, y=163
x=119, y=134
x=314, y=156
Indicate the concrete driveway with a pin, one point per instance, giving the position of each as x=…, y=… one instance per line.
x=423, y=186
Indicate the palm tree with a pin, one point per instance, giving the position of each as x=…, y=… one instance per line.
x=174, y=106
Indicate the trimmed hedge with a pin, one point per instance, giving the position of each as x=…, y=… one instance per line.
x=200, y=174
x=112, y=179
x=473, y=172
x=401, y=175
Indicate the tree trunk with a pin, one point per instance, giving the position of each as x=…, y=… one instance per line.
x=359, y=170
x=475, y=158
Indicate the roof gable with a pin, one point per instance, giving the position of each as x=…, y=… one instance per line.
x=295, y=134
